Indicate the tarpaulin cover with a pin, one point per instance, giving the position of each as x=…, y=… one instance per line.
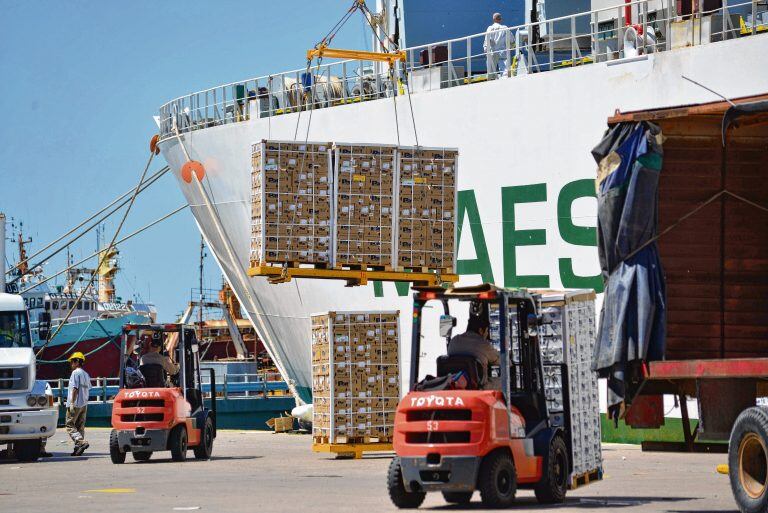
x=632, y=321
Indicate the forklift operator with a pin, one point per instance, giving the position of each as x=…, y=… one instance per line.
x=153, y=356
x=475, y=342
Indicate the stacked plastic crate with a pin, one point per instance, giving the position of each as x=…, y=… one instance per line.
x=355, y=376
x=426, y=208
x=566, y=340
x=580, y=334
x=364, y=198
x=291, y=211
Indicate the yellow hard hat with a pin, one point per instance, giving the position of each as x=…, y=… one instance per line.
x=77, y=356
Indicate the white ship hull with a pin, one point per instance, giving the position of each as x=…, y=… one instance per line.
x=535, y=131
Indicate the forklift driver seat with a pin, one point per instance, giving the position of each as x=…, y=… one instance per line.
x=460, y=362
x=154, y=375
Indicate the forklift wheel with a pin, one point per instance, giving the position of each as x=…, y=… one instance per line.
x=115, y=454
x=177, y=443
x=457, y=497
x=204, y=450
x=497, y=481
x=142, y=455
x=554, y=483
x=401, y=498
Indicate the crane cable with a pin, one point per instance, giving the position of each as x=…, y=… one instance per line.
x=104, y=254
x=149, y=181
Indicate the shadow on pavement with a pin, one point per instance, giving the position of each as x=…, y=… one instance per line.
x=599, y=502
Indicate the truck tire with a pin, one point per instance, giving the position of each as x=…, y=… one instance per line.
x=748, y=460
x=401, y=497
x=457, y=497
x=177, y=443
x=497, y=480
x=142, y=455
x=27, y=450
x=115, y=453
x=554, y=483
x=204, y=450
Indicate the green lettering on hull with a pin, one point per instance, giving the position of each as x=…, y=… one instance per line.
x=481, y=264
x=512, y=238
x=575, y=234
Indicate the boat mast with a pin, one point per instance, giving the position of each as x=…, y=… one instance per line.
x=202, y=295
x=2, y=252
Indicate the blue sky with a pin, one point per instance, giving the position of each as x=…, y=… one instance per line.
x=80, y=83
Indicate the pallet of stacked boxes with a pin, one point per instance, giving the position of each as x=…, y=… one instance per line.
x=566, y=340
x=291, y=209
x=364, y=177
x=426, y=222
x=355, y=380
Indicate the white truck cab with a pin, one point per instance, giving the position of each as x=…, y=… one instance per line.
x=27, y=411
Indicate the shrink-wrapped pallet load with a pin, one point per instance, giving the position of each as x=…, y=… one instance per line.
x=291, y=207
x=567, y=337
x=427, y=208
x=355, y=376
x=356, y=206
x=364, y=201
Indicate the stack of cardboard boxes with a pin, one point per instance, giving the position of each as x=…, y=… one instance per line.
x=291, y=208
x=427, y=208
x=364, y=184
x=355, y=376
x=353, y=205
x=566, y=340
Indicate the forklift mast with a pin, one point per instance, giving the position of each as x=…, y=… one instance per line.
x=530, y=393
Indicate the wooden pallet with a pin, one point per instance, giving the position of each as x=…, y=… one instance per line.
x=579, y=480
x=364, y=440
x=351, y=450
x=284, y=274
x=426, y=269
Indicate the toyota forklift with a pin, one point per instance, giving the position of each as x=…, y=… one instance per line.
x=460, y=440
x=154, y=411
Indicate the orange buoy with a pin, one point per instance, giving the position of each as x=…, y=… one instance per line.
x=153, y=147
x=190, y=167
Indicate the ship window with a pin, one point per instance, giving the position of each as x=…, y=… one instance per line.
x=79, y=305
x=71, y=305
x=606, y=30
x=47, y=305
x=55, y=305
x=86, y=305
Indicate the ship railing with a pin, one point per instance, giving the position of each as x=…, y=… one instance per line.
x=596, y=36
x=232, y=386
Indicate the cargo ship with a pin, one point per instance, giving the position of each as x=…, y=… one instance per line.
x=524, y=118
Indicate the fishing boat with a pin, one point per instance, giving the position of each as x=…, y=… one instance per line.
x=96, y=320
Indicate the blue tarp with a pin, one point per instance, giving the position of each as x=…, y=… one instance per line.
x=633, y=317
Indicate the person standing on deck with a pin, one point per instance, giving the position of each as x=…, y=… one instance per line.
x=495, y=48
x=77, y=403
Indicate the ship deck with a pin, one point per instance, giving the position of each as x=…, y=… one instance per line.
x=252, y=469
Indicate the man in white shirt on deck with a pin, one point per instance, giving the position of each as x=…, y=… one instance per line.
x=495, y=46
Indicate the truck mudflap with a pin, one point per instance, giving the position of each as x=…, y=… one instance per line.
x=450, y=474
x=27, y=424
x=146, y=440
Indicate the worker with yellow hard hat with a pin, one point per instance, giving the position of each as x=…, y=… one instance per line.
x=77, y=402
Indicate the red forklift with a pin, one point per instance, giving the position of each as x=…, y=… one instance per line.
x=494, y=441
x=154, y=411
